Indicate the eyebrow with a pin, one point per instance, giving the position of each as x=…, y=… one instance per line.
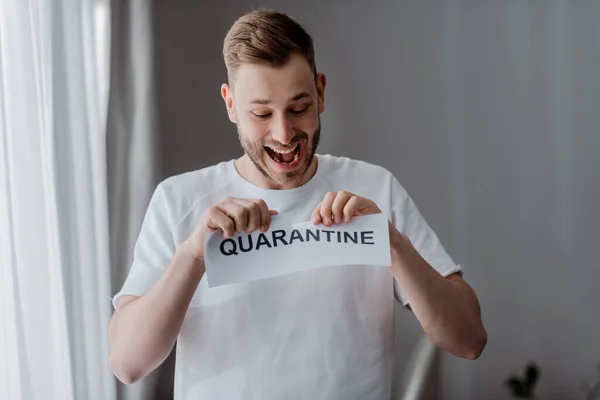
x=297, y=97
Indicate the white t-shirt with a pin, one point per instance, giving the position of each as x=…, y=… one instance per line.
x=325, y=333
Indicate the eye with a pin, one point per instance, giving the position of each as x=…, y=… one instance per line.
x=261, y=115
x=299, y=111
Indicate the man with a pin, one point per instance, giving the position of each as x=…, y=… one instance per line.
x=325, y=333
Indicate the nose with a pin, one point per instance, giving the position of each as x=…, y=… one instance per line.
x=282, y=130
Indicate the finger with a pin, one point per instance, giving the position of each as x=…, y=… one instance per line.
x=254, y=214
x=315, y=217
x=238, y=213
x=219, y=220
x=268, y=224
x=351, y=208
x=337, y=207
x=326, y=208
x=263, y=214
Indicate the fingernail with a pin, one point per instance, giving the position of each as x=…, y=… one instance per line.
x=314, y=219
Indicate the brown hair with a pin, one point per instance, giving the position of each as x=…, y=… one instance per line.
x=266, y=37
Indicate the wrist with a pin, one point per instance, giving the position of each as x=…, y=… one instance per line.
x=397, y=245
x=184, y=252
x=185, y=248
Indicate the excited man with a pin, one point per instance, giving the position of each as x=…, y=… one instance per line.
x=324, y=333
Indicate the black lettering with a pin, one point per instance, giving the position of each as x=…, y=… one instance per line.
x=231, y=250
x=279, y=234
x=241, y=241
x=364, y=237
x=262, y=241
x=316, y=235
x=329, y=235
x=339, y=235
x=353, y=238
x=296, y=235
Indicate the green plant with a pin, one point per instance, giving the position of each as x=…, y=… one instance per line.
x=524, y=387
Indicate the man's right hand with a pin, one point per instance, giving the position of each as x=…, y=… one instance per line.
x=161, y=310
x=232, y=215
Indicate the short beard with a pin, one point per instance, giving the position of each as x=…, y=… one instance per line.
x=256, y=151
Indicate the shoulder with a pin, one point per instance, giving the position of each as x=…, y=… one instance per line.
x=197, y=182
x=366, y=179
x=178, y=194
x=358, y=170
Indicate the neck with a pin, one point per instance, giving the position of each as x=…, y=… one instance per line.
x=247, y=170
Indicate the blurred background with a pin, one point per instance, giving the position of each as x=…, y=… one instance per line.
x=488, y=113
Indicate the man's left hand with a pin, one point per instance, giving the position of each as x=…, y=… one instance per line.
x=338, y=207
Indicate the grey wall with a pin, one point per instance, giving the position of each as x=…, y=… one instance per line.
x=487, y=112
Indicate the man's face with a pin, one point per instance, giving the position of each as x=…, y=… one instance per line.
x=277, y=112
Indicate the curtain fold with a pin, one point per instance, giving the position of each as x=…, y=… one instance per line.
x=54, y=275
x=133, y=164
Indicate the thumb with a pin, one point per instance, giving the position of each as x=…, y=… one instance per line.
x=273, y=212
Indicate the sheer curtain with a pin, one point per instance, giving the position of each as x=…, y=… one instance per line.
x=133, y=167
x=54, y=249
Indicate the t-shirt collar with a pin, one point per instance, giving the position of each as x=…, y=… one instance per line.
x=259, y=192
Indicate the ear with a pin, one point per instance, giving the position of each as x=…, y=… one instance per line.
x=227, y=95
x=321, y=81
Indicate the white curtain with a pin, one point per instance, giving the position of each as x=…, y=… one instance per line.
x=54, y=248
x=133, y=167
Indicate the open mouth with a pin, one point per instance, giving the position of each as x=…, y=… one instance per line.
x=284, y=156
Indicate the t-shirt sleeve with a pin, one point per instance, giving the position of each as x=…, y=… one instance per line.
x=409, y=221
x=153, y=250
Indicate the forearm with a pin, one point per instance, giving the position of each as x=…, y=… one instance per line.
x=143, y=331
x=448, y=310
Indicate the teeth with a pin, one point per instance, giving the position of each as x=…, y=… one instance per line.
x=277, y=155
x=283, y=151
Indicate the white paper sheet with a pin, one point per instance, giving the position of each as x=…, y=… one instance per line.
x=289, y=247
